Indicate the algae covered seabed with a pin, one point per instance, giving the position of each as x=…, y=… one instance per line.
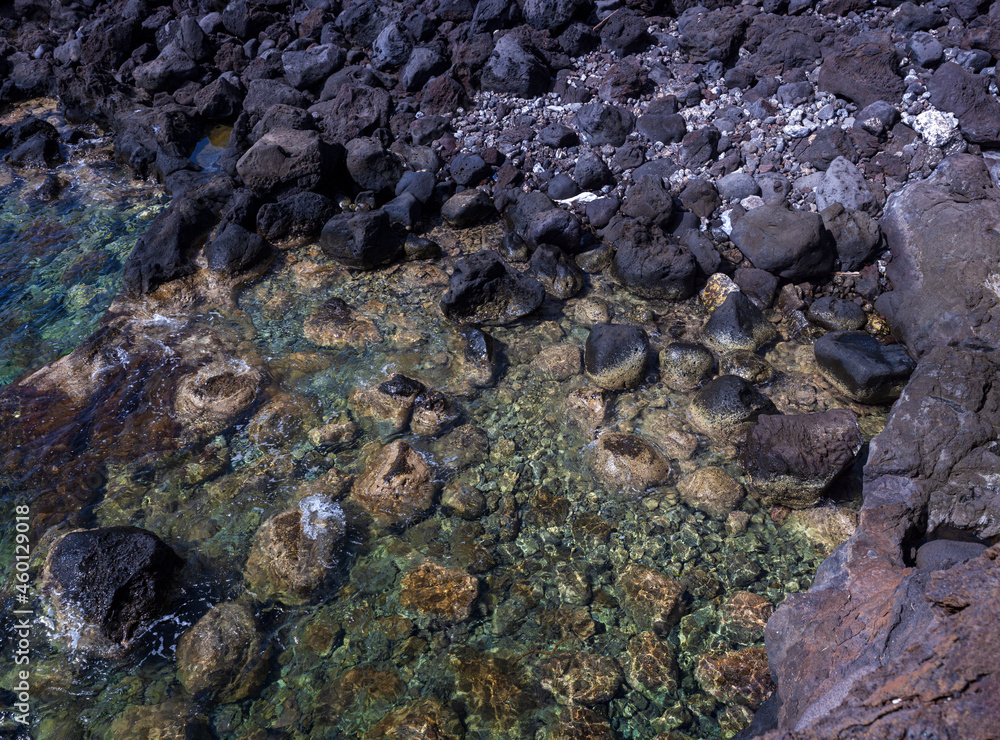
x=554, y=640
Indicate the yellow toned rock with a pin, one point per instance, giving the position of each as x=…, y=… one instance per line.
x=443, y=593
x=560, y=362
x=826, y=527
x=716, y=289
x=281, y=420
x=334, y=435
x=650, y=666
x=712, y=490
x=397, y=486
x=589, y=408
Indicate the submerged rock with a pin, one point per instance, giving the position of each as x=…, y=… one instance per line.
x=615, y=356
x=712, y=490
x=107, y=586
x=388, y=407
x=861, y=367
x=293, y=553
x=223, y=654
x=737, y=677
x=791, y=460
x=442, y=593
x=396, y=487
x=825, y=527
x=581, y=678
x=650, y=666
x=628, y=461
x=651, y=599
x=425, y=718
x=485, y=290
x=556, y=272
x=335, y=324
x=210, y=399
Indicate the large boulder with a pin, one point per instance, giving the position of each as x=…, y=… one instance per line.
x=861, y=367
x=863, y=72
x=877, y=642
x=650, y=264
x=725, y=406
x=107, y=587
x=615, y=356
x=792, y=460
x=486, y=290
x=363, y=239
x=785, y=242
x=514, y=69
x=628, y=462
x=284, y=161
x=967, y=95
x=942, y=235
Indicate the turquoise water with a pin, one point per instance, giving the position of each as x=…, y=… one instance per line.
x=549, y=552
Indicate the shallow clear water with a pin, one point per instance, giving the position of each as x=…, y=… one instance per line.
x=548, y=553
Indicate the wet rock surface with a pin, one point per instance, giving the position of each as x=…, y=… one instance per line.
x=191, y=411
x=107, y=586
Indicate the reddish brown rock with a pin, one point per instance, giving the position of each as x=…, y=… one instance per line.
x=649, y=597
x=364, y=686
x=396, y=487
x=443, y=593
x=424, y=718
x=387, y=407
x=578, y=723
x=738, y=677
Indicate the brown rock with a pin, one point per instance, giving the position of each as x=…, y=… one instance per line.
x=396, y=487
x=560, y=362
x=744, y=616
x=737, y=677
x=629, y=462
x=433, y=413
x=293, y=552
x=387, y=408
x=174, y=719
x=364, y=685
x=496, y=691
x=462, y=500
x=210, y=399
x=425, y=718
x=335, y=324
x=223, y=654
x=650, y=666
x=463, y=446
x=589, y=408
x=443, y=593
x=581, y=678
x=334, y=435
x=578, y=723
x=281, y=420
x=791, y=460
x=712, y=490
x=649, y=597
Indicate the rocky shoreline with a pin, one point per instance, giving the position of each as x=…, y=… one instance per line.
x=763, y=156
